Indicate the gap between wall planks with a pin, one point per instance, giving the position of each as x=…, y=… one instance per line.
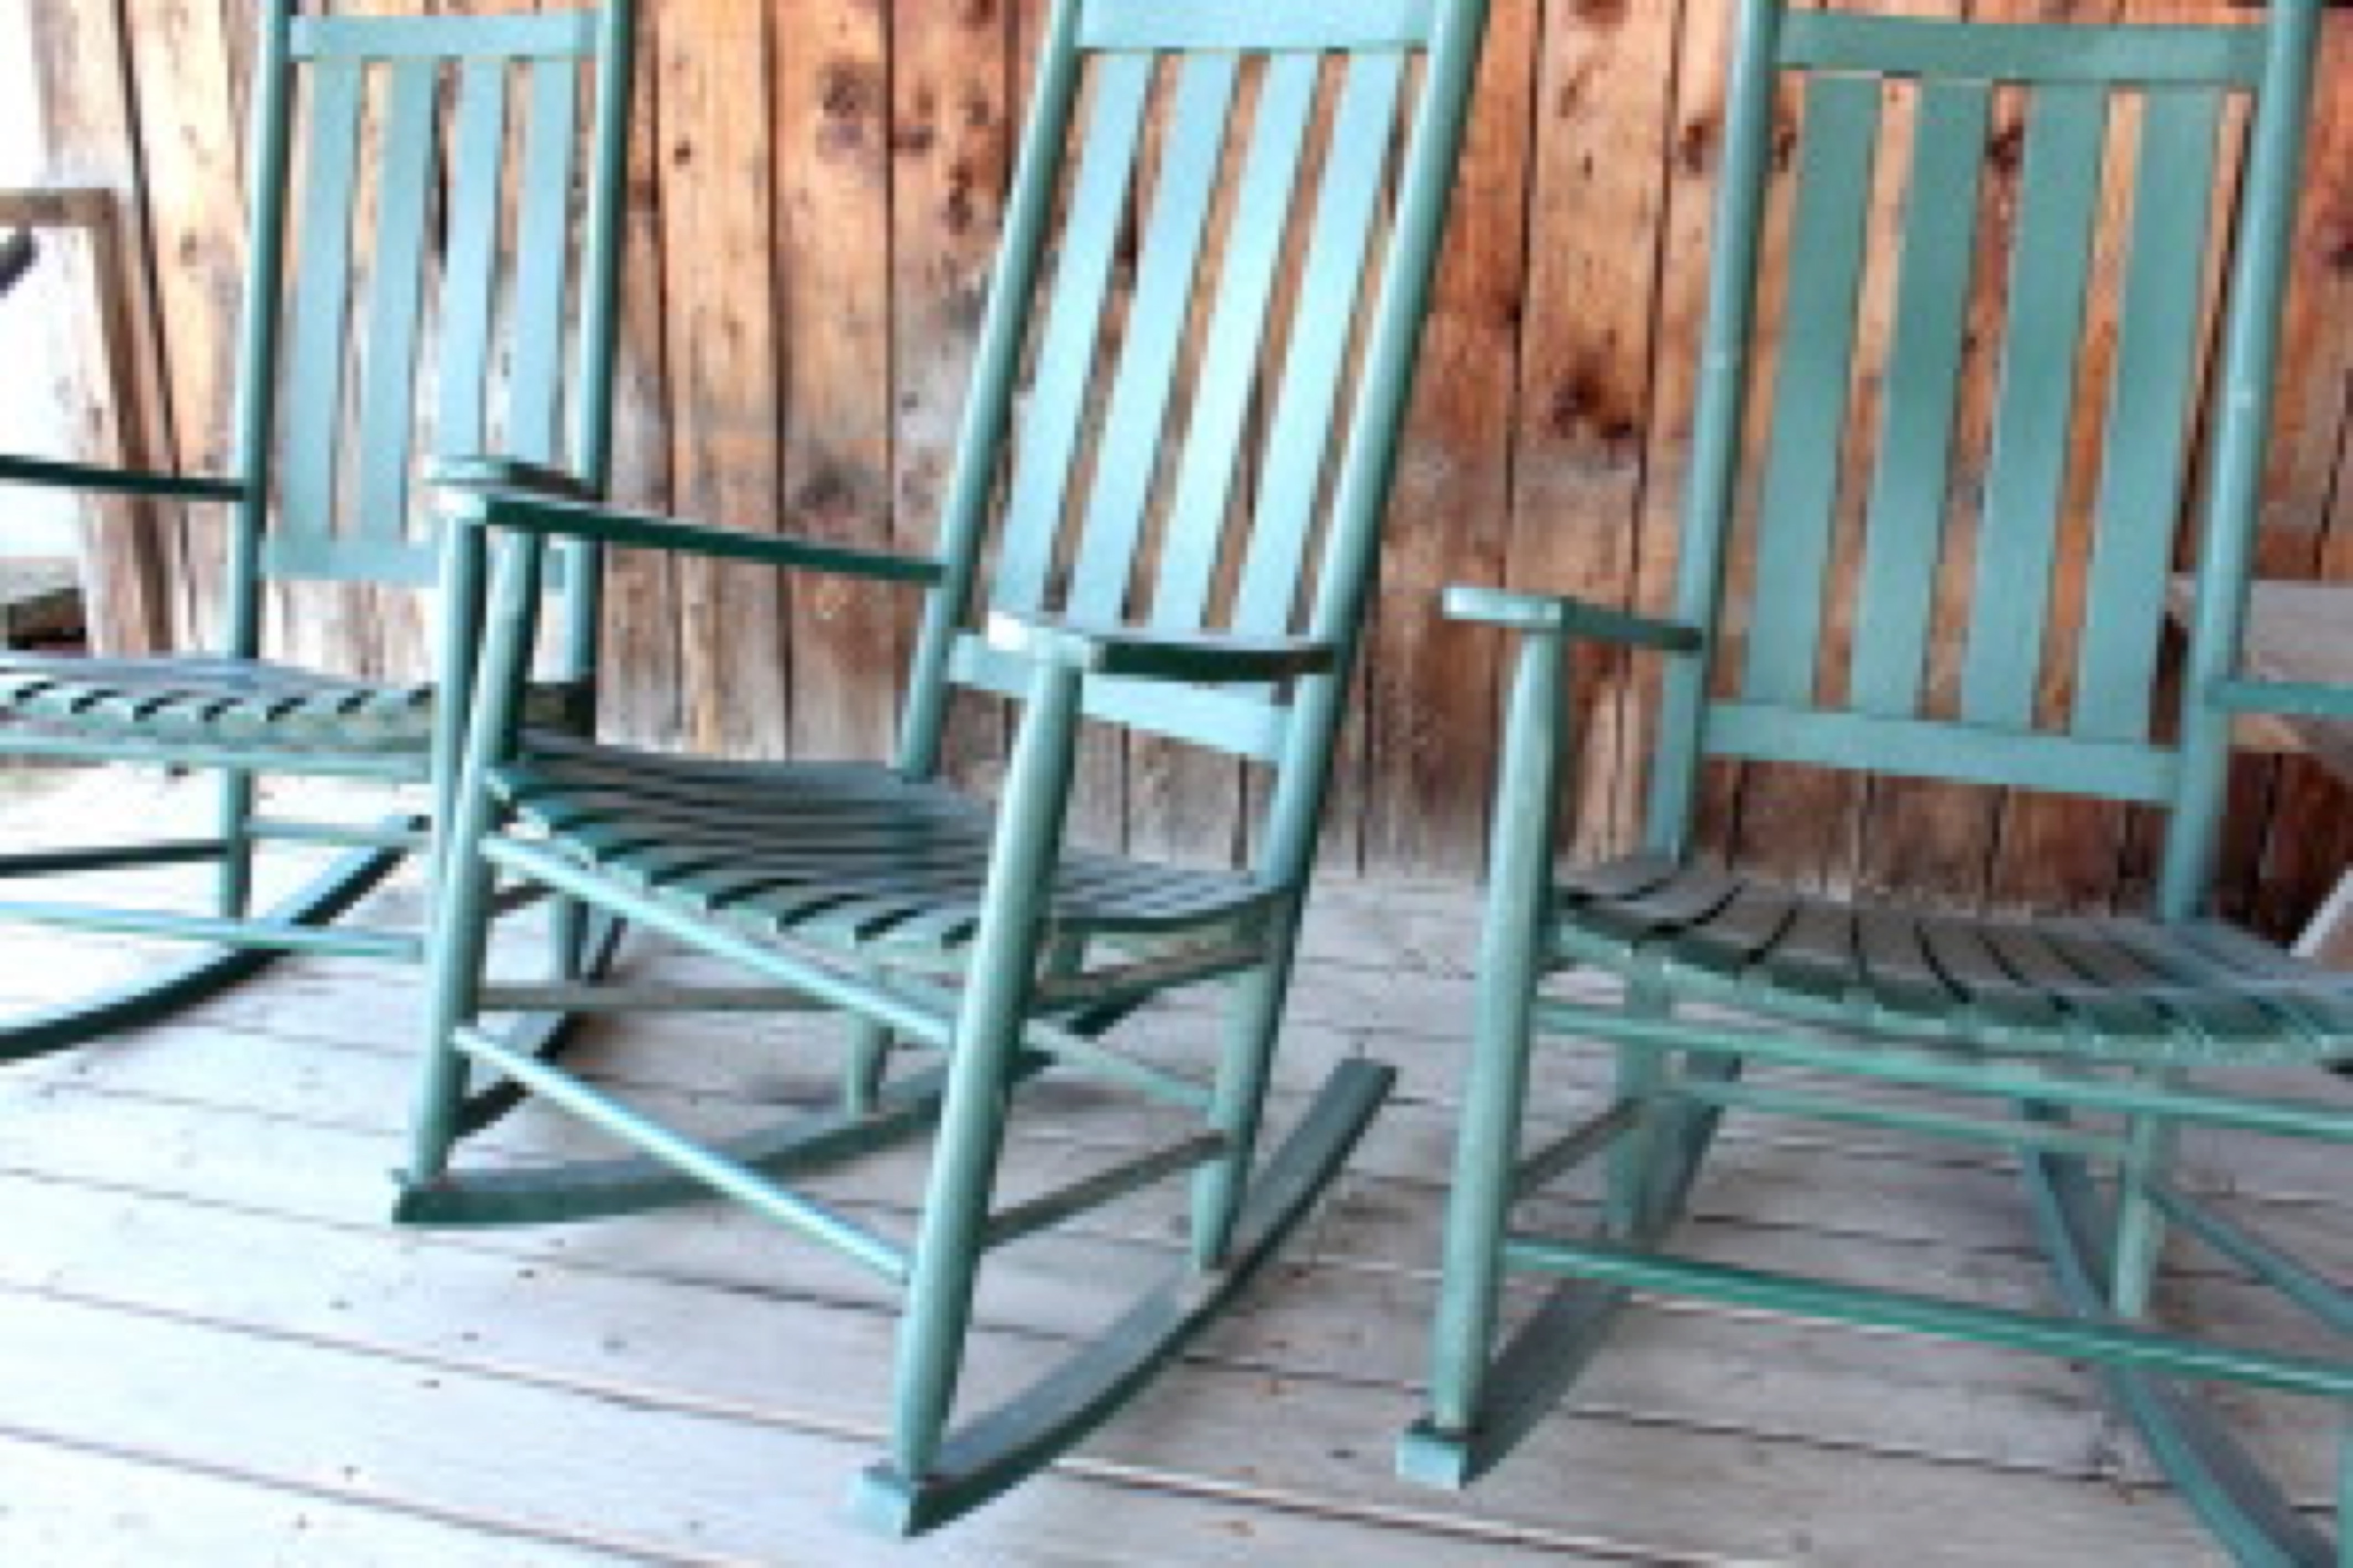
x=814, y=202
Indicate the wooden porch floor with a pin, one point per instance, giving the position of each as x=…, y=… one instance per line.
x=213, y=1351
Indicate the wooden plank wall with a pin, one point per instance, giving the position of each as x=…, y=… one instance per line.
x=815, y=200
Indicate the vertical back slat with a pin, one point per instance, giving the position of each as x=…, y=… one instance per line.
x=313, y=397
x=1339, y=249
x=542, y=274
x=469, y=267
x=1238, y=328
x=1813, y=389
x=1137, y=417
x=2050, y=270
x=388, y=398
x=2146, y=445
x=1910, y=494
x=1050, y=432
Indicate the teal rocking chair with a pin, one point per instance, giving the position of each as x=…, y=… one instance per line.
x=932, y=923
x=2086, y=1042
x=425, y=330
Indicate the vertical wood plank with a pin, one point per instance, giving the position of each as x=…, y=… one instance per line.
x=643, y=673
x=712, y=57
x=1449, y=518
x=190, y=136
x=110, y=383
x=953, y=118
x=834, y=238
x=1595, y=310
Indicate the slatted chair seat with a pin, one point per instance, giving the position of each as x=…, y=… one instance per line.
x=842, y=853
x=2126, y=990
x=208, y=699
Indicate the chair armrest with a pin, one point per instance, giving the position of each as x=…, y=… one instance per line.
x=58, y=475
x=2286, y=699
x=1140, y=654
x=485, y=472
x=573, y=520
x=1572, y=616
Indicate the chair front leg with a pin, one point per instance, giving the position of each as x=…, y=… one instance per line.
x=1510, y=966
x=467, y=815
x=1253, y=1021
x=997, y=997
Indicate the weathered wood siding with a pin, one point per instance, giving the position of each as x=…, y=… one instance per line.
x=816, y=198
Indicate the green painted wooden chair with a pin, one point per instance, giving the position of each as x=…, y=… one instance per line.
x=423, y=327
x=2093, y=1039
x=929, y=921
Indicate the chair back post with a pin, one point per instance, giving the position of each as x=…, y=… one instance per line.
x=988, y=409
x=1360, y=498
x=1721, y=417
x=256, y=406
x=600, y=281
x=2250, y=372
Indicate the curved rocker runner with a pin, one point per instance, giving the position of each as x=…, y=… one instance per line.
x=2086, y=1044
x=933, y=922
x=307, y=506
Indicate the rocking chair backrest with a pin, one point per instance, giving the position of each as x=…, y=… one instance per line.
x=1259, y=138
x=2018, y=707
x=421, y=179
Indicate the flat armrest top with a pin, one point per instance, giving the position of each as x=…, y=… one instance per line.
x=1142, y=654
x=2287, y=698
x=1574, y=616
x=573, y=520
x=487, y=473
x=116, y=482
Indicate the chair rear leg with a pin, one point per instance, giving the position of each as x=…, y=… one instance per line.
x=866, y=1066
x=1238, y=1105
x=567, y=940
x=233, y=895
x=1630, y=1198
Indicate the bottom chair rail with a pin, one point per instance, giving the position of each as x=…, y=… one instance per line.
x=2016, y=1079
x=605, y=1189
x=272, y=934
x=2075, y=1339
x=334, y=890
x=995, y=1451
x=112, y=857
x=719, y=1171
